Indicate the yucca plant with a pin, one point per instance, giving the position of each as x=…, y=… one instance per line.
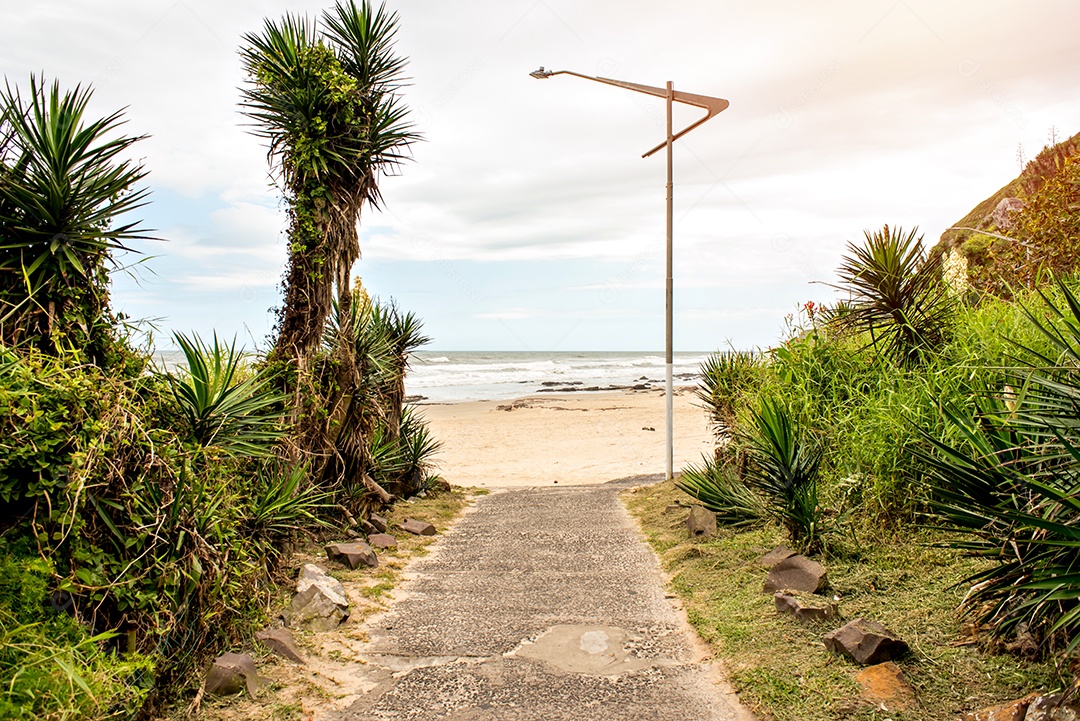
x=896, y=295
x=64, y=182
x=1011, y=491
x=717, y=486
x=324, y=94
x=239, y=416
x=283, y=503
x=783, y=468
x=725, y=379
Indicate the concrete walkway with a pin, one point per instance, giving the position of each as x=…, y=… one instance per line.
x=540, y=604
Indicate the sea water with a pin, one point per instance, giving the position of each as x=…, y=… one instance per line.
x=450, y=376
x=453, y=376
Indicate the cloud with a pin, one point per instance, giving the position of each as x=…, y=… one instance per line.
x=843, y=116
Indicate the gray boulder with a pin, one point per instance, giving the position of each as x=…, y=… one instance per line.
x=320, y=602
x=796, y=573
x=1052, y=708
x=281, y=642
x=353, y=555
x=1004, y=212
x=420, y=528
x=231, y=673
x=701, y=522
x=866, y=642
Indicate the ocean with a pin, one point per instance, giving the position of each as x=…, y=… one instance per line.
x=451, y=376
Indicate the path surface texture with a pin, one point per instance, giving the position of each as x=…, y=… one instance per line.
x=540, y=604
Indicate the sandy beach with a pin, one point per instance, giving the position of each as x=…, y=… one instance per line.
x=571, y=439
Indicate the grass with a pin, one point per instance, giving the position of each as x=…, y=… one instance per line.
x=781, y=668
x=299, y=691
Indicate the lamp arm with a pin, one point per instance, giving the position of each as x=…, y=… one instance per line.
x=712, y=106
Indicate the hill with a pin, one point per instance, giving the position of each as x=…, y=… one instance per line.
x=1028, y=227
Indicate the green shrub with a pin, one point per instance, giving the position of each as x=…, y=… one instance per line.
x=1009, y=489
x=51, y=667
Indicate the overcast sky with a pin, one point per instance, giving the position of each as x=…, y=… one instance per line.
x=527, y=219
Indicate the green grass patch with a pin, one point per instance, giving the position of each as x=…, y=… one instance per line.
x=781, y=668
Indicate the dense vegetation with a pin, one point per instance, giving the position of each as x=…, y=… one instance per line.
x=910, y=407
x=144, y=511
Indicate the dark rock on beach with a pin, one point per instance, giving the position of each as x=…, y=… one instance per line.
x=796, y=573
x=866, y=642
x=231, y=673
x=420, y=528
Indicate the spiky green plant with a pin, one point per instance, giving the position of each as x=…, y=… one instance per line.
x=717, y=486
x=726, y=377
x=1011, y=490
x=896, y=295
x=783, y=468
x=324, y=94
x=64, y=183
x=223, y=410
x=282, y=503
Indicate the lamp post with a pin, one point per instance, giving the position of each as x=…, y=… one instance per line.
x=712, y=106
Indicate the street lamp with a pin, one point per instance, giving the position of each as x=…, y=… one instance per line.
x=712, y=106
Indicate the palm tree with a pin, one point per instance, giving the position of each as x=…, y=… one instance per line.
x=324, y=95
x=63, y=184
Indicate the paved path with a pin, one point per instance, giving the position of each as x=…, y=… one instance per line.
x=540, y=604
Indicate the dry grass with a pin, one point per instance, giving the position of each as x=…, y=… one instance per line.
x=333, y=674
x=781, y=668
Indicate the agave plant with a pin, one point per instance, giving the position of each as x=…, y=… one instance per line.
x=1011, y=490
x=63, y=184
x=896, y=295
x=239, y=416
x=784, y=468
x=717, y=486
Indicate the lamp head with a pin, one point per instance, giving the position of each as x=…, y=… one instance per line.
x=541, y=74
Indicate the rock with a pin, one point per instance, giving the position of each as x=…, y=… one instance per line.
x=368, y=527
x=885, y=686
x=1051, y=708
x=1012, y=711
x=382, y=540
x=1025, y=643
x=379, y=522
x=701, y=522
x=796, y=573
x=280, y=641
x=775, y=556
x=1004, y=211
x=353, y=555
x=786, y=603
x=865, y=642
x=320, y=601
x=231, y=673
x=420, y=528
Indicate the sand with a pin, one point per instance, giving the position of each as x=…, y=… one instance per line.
x=572, y=439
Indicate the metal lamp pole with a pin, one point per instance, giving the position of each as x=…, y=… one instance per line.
x=712, y=106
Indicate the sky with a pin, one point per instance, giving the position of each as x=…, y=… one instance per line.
x=527, y=219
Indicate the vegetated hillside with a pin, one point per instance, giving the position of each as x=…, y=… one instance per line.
x=1025, y=229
